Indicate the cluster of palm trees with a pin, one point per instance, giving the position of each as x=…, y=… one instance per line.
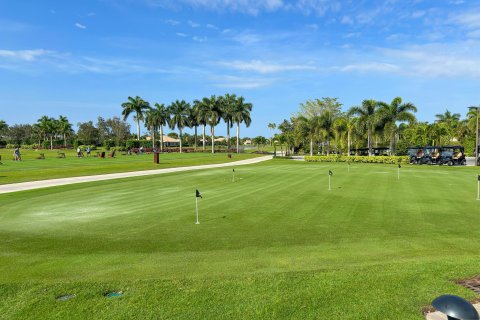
x=180, y=114
x=48, y=128
x=322, y=123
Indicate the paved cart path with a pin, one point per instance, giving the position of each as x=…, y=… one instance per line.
x=14, y=187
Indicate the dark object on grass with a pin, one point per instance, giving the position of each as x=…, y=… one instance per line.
x=455, y=308
x=65, y=297
x=113, y=294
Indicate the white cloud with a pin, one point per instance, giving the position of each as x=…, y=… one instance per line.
x=418, y=14
x=469, y=20
x=211, y=26
x=193, y=24
x=24, y=55
x=247, y=38
x=346, y=20
x=80, y=26
x=172, y=22
x=264, y=67
x=199, y=39
x=369, y=67
x=180, y=34
x=41, y=60
x=241, y=82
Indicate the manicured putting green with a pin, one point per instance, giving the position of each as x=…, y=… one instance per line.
x=274, y=244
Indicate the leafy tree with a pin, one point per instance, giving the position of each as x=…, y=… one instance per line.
x=179, y=116
x=88, y=133
x=138, y=106
x=20, y=133
x=3, y=129
x=450, y=123
x=193, y=122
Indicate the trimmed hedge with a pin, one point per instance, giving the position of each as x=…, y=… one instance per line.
x=359, y=159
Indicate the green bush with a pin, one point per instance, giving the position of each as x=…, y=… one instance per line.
x=359, y=159
x=138, y=143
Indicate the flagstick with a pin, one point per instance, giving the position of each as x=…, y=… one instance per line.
x=349, y=167
x=329, y=184
x=233, y=179
x=399, y=173
x=196, y=207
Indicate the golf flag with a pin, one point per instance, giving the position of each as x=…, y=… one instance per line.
x=479, y=177
x=330, y=173
x=198, y=194
x=399, y=166
x=233, y=170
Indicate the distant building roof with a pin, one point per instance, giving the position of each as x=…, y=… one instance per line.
x=170, y=139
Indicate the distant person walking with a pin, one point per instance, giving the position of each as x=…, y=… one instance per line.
x=88, y=151
x=79, y=152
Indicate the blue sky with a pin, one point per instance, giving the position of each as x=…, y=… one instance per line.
x=83, y=59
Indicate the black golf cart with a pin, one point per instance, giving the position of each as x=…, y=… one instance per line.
x=452, y=156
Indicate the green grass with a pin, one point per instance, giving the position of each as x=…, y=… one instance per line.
x=31, y=169
x=274, y=244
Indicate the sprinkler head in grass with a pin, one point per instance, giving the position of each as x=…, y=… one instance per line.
x=455, y=308
x=65, y=297
x=113, y=294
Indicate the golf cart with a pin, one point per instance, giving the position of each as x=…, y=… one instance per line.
x=413, y=152
x=452, y=155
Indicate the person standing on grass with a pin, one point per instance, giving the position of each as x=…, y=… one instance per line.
x=16, y=154
x=79, y=152
x=88, y=151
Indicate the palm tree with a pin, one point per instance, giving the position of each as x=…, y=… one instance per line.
x=213, y=115
x=272, y=126
x=155, y=119
x=368, y=116
x=241, y=113
x=65, y=127
x=201, y=111
x=163, y=117
x=450, y=122
x=48, y=128
x=179, y=117
x=193, y=122
x=310, y=128
x=137, y=105
x=396, y=111
x=3, y=128
x=228, y=106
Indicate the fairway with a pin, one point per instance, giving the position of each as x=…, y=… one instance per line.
x=274, y=244
x=32, y=169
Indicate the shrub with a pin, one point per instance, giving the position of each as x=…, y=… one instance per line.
x=359, y=159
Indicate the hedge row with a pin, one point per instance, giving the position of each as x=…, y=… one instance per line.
x=359, y=159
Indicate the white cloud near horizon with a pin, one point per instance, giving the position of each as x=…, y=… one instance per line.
x=24, y=55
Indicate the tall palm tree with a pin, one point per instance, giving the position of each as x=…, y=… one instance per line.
x=309, y=127
x=272, y=126
x=201, y=111
x=179, y=117
x=163, y=117
x=396, y=111
x=228, y=106
x=213, y=115
x=193, y=122
x=241, y=113
x=368, y=116
x=138, y=106
x=450, y=122
x=65, y=127
x=155, y=119
x=48, y=128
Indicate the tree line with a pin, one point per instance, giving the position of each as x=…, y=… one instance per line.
x=320, y=126
x=49, y=132
x=180, y=114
